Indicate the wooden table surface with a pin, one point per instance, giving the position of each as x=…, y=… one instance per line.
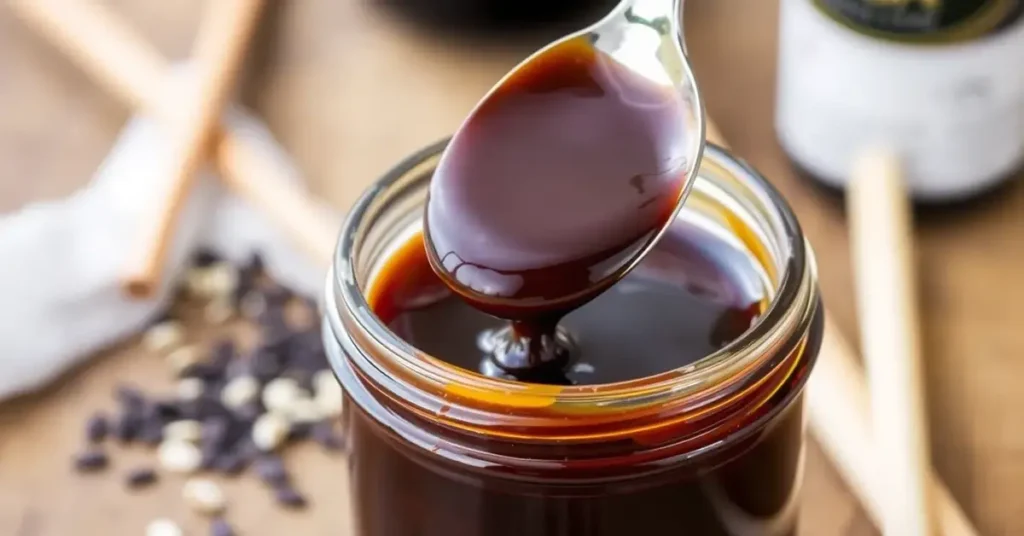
x=348, y=92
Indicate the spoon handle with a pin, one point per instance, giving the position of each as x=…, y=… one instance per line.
x=665, y=16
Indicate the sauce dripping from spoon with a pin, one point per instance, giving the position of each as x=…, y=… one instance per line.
x=553, y=189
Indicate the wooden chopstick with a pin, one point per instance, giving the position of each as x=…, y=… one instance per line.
x=121, y=60
x=220, y=47
x=882, y=245
x=839, y=411
x=837, y=394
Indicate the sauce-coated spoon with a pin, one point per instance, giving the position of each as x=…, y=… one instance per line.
x=567, y=172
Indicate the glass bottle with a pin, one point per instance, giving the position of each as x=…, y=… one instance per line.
x=941, y=82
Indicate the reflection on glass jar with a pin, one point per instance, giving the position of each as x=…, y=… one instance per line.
x=684, y=415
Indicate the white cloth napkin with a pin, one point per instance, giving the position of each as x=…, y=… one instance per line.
x=60, y=261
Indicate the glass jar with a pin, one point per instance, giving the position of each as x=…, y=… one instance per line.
x=714, y=448
x=939, y=83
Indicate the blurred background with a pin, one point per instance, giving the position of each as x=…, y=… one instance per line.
x=351, y=87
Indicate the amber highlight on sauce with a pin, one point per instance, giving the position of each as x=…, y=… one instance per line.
x=690, y=297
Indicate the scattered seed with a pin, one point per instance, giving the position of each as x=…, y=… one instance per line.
x=276, y=337
x=163, y=337
x=299, y=431
x=218, y=311
x=218, y=280
x=252, y=305
x=97, y=428
x=220, y=527
x=91, y=461
x=240, y=391
x=288, y=497
x=131, y=399
x=214, y=433
x=203, y=370
x=280, y=394
x=230, y=464
x=204, y=257
x=250, y=412
x=239, y=367
x=328, y=393
x=183, y=358
x=163, y=411
x=221, y=280
x=179, y=456
x=302, y=377
x=163, y=527
x=209, y=462
x=324, y=380
x=204, y=496
x=223, y=352
x=305, y=410
x=140, y=478
x=269, y=431
x=324, y=434
x=265, y=365
x=248, y=450
x=190, y=389
x=197, y=281
x=152, y=433
x=188, y=430
x=271, y=470
x=128, y=427
x=205, y=407
x=256, y=264
x=229, y=410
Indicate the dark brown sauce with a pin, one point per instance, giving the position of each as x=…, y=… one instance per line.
x=747, y=488
x=549, y=193
x=690, y=296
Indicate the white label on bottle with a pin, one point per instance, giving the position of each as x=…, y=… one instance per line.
x=954, y=112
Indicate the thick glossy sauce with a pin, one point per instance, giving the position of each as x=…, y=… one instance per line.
x=552, y=188
x=692, y=295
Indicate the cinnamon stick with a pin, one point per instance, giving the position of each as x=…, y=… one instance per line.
x=218, y=53
x=121, y=60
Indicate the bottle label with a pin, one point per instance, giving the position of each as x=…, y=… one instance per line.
x=925, y=21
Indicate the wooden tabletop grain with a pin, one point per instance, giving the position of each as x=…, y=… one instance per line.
x=348, y=92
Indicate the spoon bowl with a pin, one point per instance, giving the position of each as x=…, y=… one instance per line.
x=571, y=167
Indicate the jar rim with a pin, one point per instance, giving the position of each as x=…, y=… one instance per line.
x=792, y=307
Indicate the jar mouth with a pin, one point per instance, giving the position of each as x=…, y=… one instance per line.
x=433, y=387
